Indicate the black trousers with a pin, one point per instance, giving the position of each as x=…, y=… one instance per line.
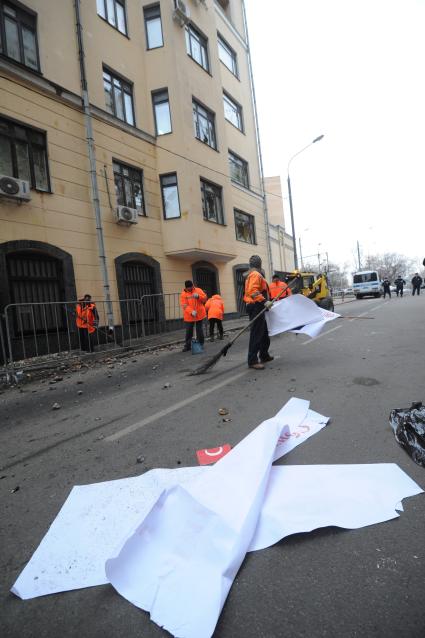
x=219, y=323
x=399, y=290
x=259, y=340
x=387, y=291
x=418, y=290
x=189, y=333
x=86, y=341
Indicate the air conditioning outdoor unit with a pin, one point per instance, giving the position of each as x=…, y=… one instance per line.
x=14, y=188
x=181, y=13
x=126, y=215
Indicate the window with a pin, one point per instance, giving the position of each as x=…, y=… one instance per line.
x=245, y=227
x=161, y=110
x=153, y=27
x=113, y=11
x=238, y=170
x=129, y=187
x=170, y=196
x=118, y=97
x=204, y=123
x=232, y=112
x=23, y=154
x=197, y=47
x=212, y=202
x=227, y=55
x=18, y=35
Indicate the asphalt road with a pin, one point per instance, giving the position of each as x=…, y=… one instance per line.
x=331, y=582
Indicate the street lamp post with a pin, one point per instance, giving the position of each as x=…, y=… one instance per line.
x=291, y=207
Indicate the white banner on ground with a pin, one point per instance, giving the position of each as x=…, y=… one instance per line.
x=297, y=314
x=179, y=536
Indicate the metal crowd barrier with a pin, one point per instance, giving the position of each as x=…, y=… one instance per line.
x=49, y=329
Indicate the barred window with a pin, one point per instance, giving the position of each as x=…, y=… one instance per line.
x=118, y=97
x=238, y=170
x=18, y=35
x=212, y=202
x=23, y=154
x=129, y=187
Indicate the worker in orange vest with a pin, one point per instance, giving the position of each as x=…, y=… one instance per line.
x=257, y=298
x=279, y=288
x=192, y=300
x=87, y=321
x=215, y=310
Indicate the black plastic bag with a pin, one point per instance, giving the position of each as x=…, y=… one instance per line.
x=409, y=429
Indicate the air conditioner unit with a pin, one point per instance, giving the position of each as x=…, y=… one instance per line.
x=181, y=13
x=126, y=215
x=14, y=188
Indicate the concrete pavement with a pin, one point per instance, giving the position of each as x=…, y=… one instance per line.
x=331, y=582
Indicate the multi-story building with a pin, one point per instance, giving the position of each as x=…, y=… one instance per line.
x=129, y=154
x=281, y=242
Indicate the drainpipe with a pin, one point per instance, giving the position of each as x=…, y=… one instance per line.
x=92, y=162
x=257, y=135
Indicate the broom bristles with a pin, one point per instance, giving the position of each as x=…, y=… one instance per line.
x=209, y=364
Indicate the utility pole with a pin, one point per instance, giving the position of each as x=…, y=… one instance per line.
x=358, y=254
x=301, y=254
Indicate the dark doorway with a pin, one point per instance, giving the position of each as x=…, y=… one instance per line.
x=139, y=281
x=33, y=279
x=205, y=277
x=239, y=274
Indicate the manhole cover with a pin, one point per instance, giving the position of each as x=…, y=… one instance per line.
x=366, y=381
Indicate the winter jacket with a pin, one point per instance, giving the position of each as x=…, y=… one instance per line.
x=191, y=304
x=279, y=289
x=416, y=281
x=256, y=288
x=215, y=307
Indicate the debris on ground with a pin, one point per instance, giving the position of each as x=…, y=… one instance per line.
x=80, y=392
x=409, y=430
x=140, y=459
x=223, y=411
x=226, y=420
x=15, y=489
x=166, y=385
x=56, y=406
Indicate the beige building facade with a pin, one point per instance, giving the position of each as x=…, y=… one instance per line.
x=281, y=242
x=129, y=156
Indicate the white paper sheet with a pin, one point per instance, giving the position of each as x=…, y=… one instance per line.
x=178, y=537
x=295, y=311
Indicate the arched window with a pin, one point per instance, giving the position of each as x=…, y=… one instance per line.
x=239, y=272
x=139, y=277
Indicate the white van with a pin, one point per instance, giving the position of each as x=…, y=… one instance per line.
x=366, y=283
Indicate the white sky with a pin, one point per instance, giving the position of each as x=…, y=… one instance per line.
x=353, y=70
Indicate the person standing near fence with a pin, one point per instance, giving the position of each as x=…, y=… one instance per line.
x=87, y=320
x=192, y=301
x=215, y=310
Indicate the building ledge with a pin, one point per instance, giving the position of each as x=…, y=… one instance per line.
x=200, y=254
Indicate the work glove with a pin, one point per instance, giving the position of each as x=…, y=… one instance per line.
x=194, y=313
x=195, y=295
x=268, y=305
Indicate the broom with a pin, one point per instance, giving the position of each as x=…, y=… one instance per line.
x=222, y=353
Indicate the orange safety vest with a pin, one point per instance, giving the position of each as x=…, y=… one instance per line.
x=256, y=288
x=215, y=307
x=189, y=303
x=86, y=316
x=279, y=289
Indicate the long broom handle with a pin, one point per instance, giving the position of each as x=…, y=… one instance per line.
x=245, y=328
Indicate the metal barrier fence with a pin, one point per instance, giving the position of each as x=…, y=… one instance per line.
x=46, y=329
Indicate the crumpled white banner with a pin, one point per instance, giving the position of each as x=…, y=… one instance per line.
x=298, y=314
x=178, y=549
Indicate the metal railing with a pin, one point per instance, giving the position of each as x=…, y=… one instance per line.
x=49, y=329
